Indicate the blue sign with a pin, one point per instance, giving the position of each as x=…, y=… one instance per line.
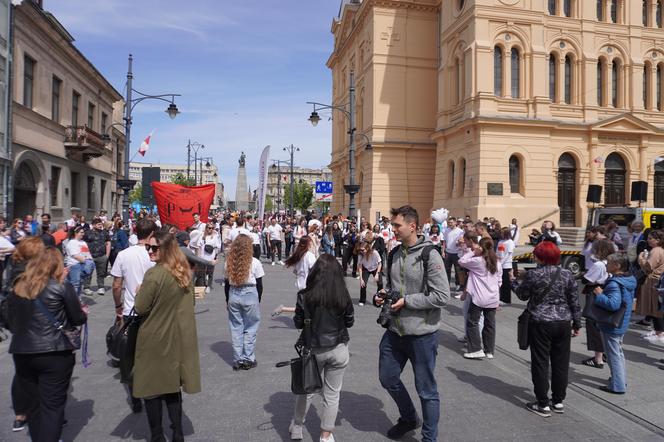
x=323, y=186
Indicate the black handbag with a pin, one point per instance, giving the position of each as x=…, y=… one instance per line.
x=603, y=316
x=112, y=336
x=524, y=318
x=208, y=248
x=125, y=347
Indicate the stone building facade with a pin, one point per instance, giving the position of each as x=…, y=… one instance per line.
x=504, y=108
x=278, y=180
x=62, y=107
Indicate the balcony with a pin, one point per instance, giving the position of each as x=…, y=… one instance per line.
x=82, y=143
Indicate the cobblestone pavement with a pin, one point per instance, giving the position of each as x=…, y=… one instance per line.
x=480, y=400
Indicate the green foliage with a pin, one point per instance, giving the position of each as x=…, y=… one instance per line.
x=136, y=194
x=269, y=205
x=181, y=179
x=303, y=196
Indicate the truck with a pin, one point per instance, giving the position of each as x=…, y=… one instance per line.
x=572, y=258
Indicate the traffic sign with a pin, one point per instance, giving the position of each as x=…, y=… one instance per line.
x=323, y=186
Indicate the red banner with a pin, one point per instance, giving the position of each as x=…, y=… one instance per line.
x=177, y=204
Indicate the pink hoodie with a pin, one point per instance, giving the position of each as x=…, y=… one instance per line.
x=482, y=286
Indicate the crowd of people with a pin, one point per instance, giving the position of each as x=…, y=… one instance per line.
x=155, y=269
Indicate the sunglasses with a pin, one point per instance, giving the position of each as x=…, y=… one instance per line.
x=153, y=249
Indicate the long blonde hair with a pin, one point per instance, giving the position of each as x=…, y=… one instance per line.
x=39, y=270
x=238, y=261
x=172, y=258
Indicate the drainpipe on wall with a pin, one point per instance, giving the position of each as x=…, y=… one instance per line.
x=8, y=203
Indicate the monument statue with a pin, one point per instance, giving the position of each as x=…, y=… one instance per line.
x=241, y=196
x=242, y=159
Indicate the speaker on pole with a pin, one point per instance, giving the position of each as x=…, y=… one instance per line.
x=594, y=194
x=150, y=174
x=639, y=191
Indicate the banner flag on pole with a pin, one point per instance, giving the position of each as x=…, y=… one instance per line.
x=177, y=204
x=145, y=145
x=262, y=182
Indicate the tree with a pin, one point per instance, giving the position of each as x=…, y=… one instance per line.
x=136, y=194
x=181, y=179
x=268, y=204
x=303, y=196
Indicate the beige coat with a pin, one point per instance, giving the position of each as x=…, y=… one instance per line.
x=647, y=302
x=167, y=345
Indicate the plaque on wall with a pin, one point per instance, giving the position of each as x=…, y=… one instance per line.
x=494, y=188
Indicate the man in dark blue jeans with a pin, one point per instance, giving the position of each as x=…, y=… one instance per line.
x=417, y=273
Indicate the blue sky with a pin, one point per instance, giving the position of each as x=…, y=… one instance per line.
x=245, y=70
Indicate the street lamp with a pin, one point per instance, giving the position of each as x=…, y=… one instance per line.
x=291, y=150
x=208, y=163
x=277, y=164
x=126, y=184
x=348, y=110
x=195, y=145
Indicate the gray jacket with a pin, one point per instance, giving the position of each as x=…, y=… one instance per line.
x=422, y=312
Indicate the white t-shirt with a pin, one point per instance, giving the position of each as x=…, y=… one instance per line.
x=131, y=265
x=256, y=238
x=370, y=261
x=76, y=247
x=199, y=226
x=215, y=241
x=515, y=231
x=505, y=251
x=275, y=232
x=452, y=239
x=255, y=272
x=237, y=231
x=302, y=269
x=597, y=273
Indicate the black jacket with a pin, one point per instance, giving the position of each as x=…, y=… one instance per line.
x=31, y=331
x=328, y=328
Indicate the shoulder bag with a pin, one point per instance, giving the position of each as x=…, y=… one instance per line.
x=524, y=318
x=124, y=347
x=603, y=316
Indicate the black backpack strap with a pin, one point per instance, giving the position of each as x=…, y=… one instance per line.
x=426, y=252
x=390, y=259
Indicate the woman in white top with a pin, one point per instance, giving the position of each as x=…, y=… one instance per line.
x=78, y=259
x=314, y=246
x=243, y=292
x=302, y=260
x=211, y=246
x=300, y=230
x=504, y=252
x=596, y=276
x=370, y=264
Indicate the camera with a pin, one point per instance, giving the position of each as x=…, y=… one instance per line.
x=389, y=297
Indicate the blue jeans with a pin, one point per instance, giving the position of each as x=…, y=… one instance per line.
x=243, y=319
x=616, y=360
x=421, y=351
x=79, y=272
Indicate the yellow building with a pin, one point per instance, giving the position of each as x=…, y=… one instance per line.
x=504, y=108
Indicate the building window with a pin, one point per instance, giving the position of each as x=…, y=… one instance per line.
x=53, y=185
x=646, y=85
x=567, y=8
x=55, y=99
x=91, y=186
x=457, y=81
x=614, y=11
x=28, y=80
x=102, y=194
x=75, y=189
x=658, y=14
x=516, y=73
x=552, y=7
x=497, y=71
x=660, y=72
x=463, y=176
x=91, y=115
x=568, y=79
x=600, y=10
x=451, y=179
x=75, y=99
x=553, y=80
x=515, y=174
x=615, y=72
x=104, y=121
x=645, y=12
x=600, y=83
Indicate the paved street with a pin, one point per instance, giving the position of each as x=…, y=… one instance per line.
x=481, y=400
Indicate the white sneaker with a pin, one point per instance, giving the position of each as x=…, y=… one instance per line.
x=101, y=291
x=649, y=334
x=361, y=304
x=457, y=296
x=475, y=355
x=489, y=355
x=295, y=431
x=281, y=263
x=87, y=291
x=207, y=290
x=273, y=263
x=655, y=338
x=330, y=438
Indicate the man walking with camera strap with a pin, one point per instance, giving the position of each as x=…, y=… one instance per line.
x=417, y=296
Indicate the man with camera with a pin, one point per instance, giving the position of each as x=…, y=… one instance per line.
x=417, y=289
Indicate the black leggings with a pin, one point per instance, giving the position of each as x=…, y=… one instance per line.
x=657, y=323
x=506, y=287
x=365, y=277
x=153, y=409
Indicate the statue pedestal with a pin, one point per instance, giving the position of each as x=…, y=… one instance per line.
x=241, y=195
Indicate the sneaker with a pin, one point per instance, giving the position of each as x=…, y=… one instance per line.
x=207, y=290
x=538, y=410
x=402, y=427
x=463, y=339
x=295, y=431
x=644, y=323
x=475, y=355
x=649, y=334
x=273, y=263
x=361, y=304
x=489, y=355
x=19, y=425
x=101, y=291
x=458, y=296
x=591, y=362
x=87, y=292
x=558, y=408
x=655, y=339
x=330, y=438
x=248, y=365
x=281, y=263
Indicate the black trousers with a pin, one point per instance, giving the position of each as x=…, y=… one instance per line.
x=488, y=340
x=275, y=249
x=365, y=277
x=46, y=378
x=257, y=251
x=550, y=342
x=153, y=409
x=452, y=260
x=288, y=244
x=506, y=287
x=348, y=256
x=593, y=336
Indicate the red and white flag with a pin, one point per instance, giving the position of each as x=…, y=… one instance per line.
x=145, y=145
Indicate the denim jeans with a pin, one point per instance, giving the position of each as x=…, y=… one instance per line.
x=616, y=360
x=79, y=272
x=243, y=319
x=421, y=351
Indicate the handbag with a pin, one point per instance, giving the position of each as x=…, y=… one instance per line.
x=208, y=248
x=73, y=335
x=125, y=347
x=112, y=336
x=603, y=316
x=523, y=321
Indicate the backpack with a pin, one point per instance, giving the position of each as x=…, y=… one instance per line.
x=426, y=252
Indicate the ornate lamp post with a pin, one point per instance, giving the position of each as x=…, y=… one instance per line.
x=195, y=145
x=291, y=150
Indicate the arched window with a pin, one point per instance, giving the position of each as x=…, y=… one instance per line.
x=567, y=8
x=600, y=10
x=615, y=72
x=600, y=83
x=614, y=11
x=552, y=7
x=498, y=71
x=645, y=12
x=553, y=77
x=646, y=85
x=614, y=180
x=461, y=4
x=659, y=86
x=658, y=14
x=515, y=174
x=463, y=176
x=457, y=81
x=516, y=73
x=451, y=179
x=568, y=79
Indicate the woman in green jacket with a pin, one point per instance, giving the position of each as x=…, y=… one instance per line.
x=167, y=359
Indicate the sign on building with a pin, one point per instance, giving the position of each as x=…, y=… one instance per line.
x=324, y=191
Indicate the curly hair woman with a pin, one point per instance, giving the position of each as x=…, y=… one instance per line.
x=244, y=289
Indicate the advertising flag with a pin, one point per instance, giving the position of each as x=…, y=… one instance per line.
x=262, y=182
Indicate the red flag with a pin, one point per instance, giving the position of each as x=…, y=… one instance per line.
x=177, y=204
x=145, y=145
